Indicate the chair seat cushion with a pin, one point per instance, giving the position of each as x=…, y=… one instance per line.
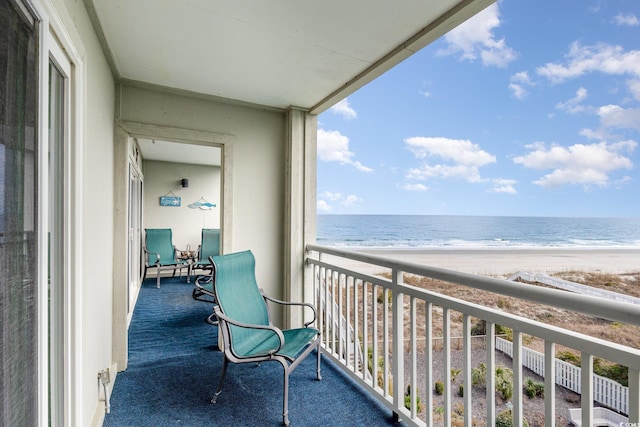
x=262, y=342
x=295, y=340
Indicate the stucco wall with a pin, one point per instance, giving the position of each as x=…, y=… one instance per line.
x=186, y=224
x=95, y=256
x=257, y=169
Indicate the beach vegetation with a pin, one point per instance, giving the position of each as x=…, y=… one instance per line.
x=454, y=374
x=380, y=366
x=407, y=400
x=479, y=375
x=480, y=328
x=613, y=371
x=569, y=357
x=504, y=382
x=458, y=409
x=380, y=298
x=506, y=303
x=533, y=388
x=505, y=419
x=439, y=388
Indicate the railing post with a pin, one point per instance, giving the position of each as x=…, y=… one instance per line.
x=549, y=383
x=398, y=342
x=586, y=388
x=446, y=354
x=414, y=361
x=429, y=362
x=518, y=412
x=491, y=372
x=634, y=395
x=466, y=383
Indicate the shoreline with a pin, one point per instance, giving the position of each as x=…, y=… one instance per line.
x=502, y=261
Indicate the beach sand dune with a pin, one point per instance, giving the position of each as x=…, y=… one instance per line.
x=504, y=262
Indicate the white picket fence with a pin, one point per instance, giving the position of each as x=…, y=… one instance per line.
x=605, y=391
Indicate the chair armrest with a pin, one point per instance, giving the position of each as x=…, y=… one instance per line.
x=149, y=253
x=303, y=304
x=226, y=320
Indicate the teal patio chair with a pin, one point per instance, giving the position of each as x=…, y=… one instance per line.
x=161, y=253
x=248, y=336
x=209, y=246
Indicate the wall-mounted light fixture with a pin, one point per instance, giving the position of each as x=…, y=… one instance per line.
x=184, y=182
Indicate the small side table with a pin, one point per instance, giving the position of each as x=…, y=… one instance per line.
x=189, y=256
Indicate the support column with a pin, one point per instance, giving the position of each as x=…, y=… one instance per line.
x=300, y=207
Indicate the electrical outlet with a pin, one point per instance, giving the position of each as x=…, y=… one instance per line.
x=104, y=376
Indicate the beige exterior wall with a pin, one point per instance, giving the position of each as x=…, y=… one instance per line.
x=257, y=175
x=186, y=224
x=94, y=157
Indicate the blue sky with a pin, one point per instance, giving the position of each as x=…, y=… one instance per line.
x=530, y=108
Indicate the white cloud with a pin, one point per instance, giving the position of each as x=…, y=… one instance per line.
x=573, y=105
x=461, y=159
x=331, y=196
x=626, y=19
x=616, y=116
x=578, y=164
x=334, y=147
x=350, y=200
x=468, y=173
x=601, y=58
x=519, y=83
x=327, y=199
x=323, y=206
x=501, y=185
x=344, y=109
x=634, y=88
x=458, y=150
x=414, y=187
x=474, y=38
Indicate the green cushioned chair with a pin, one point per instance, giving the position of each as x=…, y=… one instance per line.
x=160, y=252
x=209, y=246
x=248, y=336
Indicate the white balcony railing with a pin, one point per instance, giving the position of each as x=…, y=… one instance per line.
x=368, y=320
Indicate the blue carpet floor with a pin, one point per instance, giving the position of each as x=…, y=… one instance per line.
x=174, y=367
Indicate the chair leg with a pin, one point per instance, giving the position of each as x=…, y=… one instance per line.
x=285, y=404
x=158, y=278
x=219, y=390
x=318, y=367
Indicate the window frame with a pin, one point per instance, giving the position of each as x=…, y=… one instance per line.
x=56, y=44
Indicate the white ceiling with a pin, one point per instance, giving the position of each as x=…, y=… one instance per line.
x=276, y=53
x=176, y=152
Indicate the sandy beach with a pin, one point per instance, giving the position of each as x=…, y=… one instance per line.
x=504, y=262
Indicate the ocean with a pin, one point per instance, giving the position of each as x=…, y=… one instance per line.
x=476, y=232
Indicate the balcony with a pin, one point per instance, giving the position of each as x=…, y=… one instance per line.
x=370, y=318
x=174, y=365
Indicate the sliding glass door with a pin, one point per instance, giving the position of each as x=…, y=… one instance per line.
x=59, y=70
x=18, y=216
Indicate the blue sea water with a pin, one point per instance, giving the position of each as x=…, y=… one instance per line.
x=470, y=232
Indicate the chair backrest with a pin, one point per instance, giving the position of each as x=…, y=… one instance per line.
x=210, y=244
x=159, y=240
x=237, y=293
